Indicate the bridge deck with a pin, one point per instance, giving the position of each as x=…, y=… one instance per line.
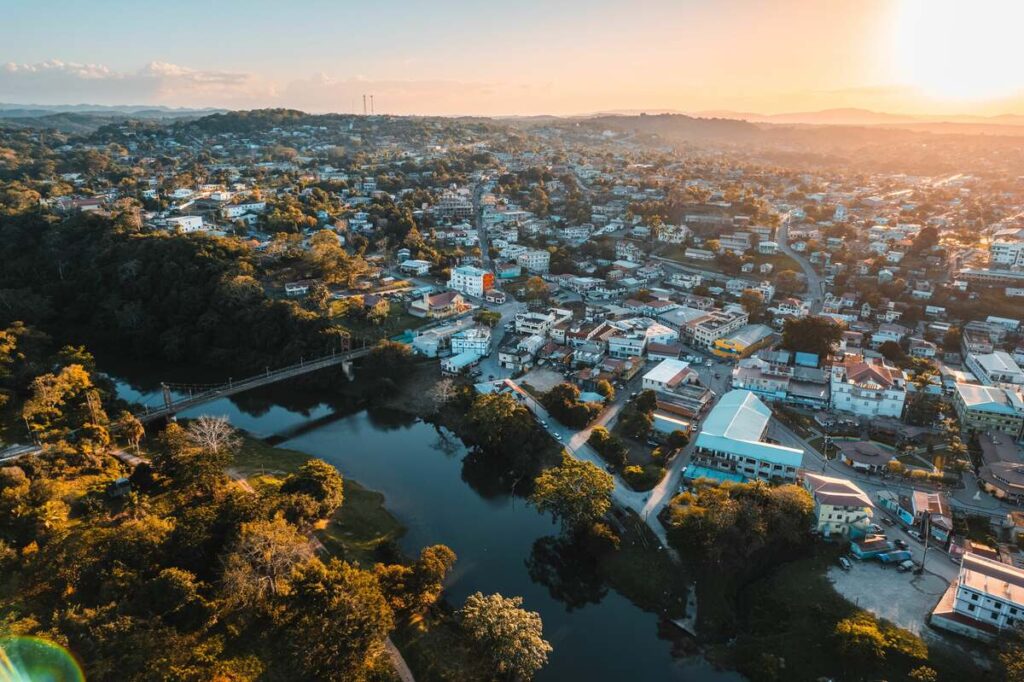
x=233, y=387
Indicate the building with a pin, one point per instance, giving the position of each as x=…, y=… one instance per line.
x=439, y=306
x=471, y=280
x=474, y=339
x=840, y=507
x=536, y=261
x=540, y=323
x=705, y=330
x=868, y=387
x=456, y=205
x=1002, y=474
x=186, y=223
x=864, y=455
x=986, y=598
x=668, y=374
x=983, y=409
x=743, y=341
x=732, y=440
x=997, y=367
x=415, y=267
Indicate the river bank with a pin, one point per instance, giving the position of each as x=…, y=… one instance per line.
x=589, y=607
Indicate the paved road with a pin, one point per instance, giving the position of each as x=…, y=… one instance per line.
x=575, y=443
x=815, y=290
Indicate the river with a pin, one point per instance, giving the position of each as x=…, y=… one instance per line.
x=420, y=471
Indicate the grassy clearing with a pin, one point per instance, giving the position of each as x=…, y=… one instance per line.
x=256, y=457
x=361, y=527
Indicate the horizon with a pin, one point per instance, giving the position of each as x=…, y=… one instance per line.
x=790, y=56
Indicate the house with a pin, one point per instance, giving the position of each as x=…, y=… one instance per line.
x=300, y=288
x=668, y=374
x=186, y=223
x=457, y=363
x=439, y=306
x=870, y=546
x=864, y=455
x=470, y=280
x=986, y=598
x=868, y=387
x=732, y=440
x=495, y=296
x=767, y=248
x=415, y=267
x=840, y=507
x=982, y=409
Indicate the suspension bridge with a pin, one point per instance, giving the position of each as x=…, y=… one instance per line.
x=179, y=397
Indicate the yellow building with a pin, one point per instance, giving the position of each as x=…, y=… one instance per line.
x=745, y=341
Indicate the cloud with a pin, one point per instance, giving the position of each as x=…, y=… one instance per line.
x=59, y=82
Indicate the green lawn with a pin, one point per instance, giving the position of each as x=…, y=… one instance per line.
x=437, y=651
x=256, y=457
x=362, y=525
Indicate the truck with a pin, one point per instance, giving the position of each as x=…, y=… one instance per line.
x=894, y=557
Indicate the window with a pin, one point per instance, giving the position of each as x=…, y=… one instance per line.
x=995, y=615
x=974, y=597
x=970, y=607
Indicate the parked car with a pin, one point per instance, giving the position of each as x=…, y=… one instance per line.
x=906, y=566
x=875, y=528
x=916, y=535
x=901, y=543
x=887, y=521
x=844, y=563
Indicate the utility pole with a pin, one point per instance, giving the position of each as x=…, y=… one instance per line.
x=364, y=105
x=927, y=528
x=371, y=105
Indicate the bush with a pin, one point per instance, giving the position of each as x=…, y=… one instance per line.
x=643, y=478
x=609, y=446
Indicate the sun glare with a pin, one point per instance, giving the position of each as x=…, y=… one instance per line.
x=962, y=49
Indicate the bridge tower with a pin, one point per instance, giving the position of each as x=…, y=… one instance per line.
x=167, y=395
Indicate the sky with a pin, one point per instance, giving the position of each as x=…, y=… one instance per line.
x=523, y=57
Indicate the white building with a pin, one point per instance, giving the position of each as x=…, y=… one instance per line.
x=1006, y=253
x=474, y=339
x=997, y=367
x=415, y=267
x=868, y=387
x=537, y=261
x=235, y=210
x=668, y=374
x=732, y=440
x=186, y=223
x=986, y=598
x=471, y=280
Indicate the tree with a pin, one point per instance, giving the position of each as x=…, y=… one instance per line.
x=512, y=636
x=489, y=318
x=319, y=481
x=811, y=334
x=576, y=492
x=536, y=289
x=609, y=446
x=443, y=391
x=336, y=622
x=413, y=589
x=605, y=388
x=261, y=562
x=131, y=428
x=892, y=352
x=788, y=282
x=1010, y=655
x=753, y=302
x=215, y=436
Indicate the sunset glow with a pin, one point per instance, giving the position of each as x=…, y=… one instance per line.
x=961, y=50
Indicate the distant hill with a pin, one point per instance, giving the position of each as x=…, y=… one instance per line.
x=863, y=117
x=8, y=110
x=680, y=126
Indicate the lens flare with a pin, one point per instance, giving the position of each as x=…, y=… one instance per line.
x=31, y=659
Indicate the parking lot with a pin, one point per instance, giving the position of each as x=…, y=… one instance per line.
x=905, y=599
